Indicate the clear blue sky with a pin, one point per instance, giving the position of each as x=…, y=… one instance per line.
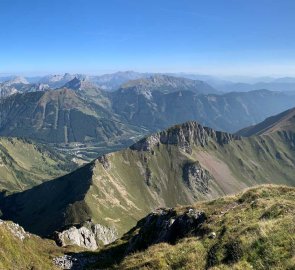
x=255, y=37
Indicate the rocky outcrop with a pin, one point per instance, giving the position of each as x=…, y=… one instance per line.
x=184, y=136
x=15, y=229
x=196, y=178
x=81, y=237
x=74, y=261
x=89, y=236
x=164, y=225
x=104, y=161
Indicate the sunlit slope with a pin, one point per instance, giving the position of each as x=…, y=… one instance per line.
x=24, y=164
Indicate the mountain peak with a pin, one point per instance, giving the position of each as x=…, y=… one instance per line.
x=168, y=84
x=79, y=84
x=184, y=135
x=16, y=80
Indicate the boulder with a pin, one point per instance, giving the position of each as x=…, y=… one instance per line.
x=89, y=236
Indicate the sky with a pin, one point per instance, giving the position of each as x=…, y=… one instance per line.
x=217, y=37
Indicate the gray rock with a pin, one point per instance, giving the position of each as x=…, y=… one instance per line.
x=74, y=261
x=164, y=225
x=104, y=234
x=82, y=237
x=89, y=236
x=16, y=230
x=196, y=178
x=212, y=235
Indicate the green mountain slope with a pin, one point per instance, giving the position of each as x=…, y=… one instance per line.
x=251, y=230
x=59, y=116
x=180, y=165
x=24, y=164
x=82, y=113
x=228, y=112
x=284, y=121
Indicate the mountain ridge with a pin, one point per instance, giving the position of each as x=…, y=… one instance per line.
x=183, y=164
x=284, y=121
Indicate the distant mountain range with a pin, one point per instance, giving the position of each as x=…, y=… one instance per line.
x=20, y=85
x=80, y=112
x=113, y=81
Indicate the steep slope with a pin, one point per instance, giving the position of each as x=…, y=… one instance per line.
x=59, y=116
x=251, y=230
x=24, y=164
x=183, y=164
x=21, y=250
x=228, y=112
x=284, y=121
x=90, y=93
x=167, y=84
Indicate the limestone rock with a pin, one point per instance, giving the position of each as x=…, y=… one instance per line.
x=89, y=236
x=81, y=237
x=15, y=229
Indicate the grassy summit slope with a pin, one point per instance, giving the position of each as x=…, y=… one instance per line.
x=251, y=230
x=24, y=164
x=20, y=250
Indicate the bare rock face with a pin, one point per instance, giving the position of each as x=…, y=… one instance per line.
x=104, y=161
x=104, y=234
x=196, y=177
x=81, y=237
x=89, y=236
x=184, y=136
x=164, y=225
